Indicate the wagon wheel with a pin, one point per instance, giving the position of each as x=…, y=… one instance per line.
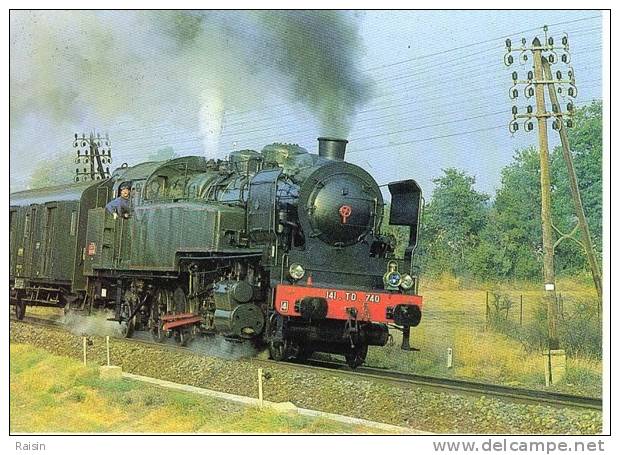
x=20, y=310
x=356, y=356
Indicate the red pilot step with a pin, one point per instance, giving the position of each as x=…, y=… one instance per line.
x=172, y=321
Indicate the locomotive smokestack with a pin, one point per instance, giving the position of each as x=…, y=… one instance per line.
x=332, y=148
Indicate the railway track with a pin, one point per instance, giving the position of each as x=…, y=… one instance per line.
x=529, y=396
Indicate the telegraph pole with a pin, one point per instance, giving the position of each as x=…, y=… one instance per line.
x=535, y=86
x=545, y=193
x=586, y=241
x=94, y=151
x=544, y=55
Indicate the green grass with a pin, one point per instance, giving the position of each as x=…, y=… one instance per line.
x=454, y=317
x=57, y=394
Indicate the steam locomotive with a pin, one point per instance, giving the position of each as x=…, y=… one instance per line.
x=281, y=247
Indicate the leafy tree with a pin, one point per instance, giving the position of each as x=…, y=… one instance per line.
x=453, y=221
x=514, y=230
x=586, y=145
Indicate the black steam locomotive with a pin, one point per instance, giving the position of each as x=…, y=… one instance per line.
x=281, y=247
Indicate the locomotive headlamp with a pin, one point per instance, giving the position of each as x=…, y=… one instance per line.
x=392, y=278
x=406, y=282
x=296, y=271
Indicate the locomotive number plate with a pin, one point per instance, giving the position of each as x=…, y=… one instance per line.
x=352, y=296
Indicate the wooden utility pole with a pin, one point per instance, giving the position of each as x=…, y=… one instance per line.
x=586, y=240
x=545, y=192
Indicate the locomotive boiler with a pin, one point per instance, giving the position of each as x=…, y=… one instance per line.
x=281, y=247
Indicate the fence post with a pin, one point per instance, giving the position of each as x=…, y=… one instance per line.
x=449, y=358
x=521, y=310
x=107, y=348
x=260, y=387
x=486, y=314
x=84, y=348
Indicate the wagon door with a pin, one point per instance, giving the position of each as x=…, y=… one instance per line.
x=32, y=242
x=47, y=252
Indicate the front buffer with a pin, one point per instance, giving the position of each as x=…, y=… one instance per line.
x=341, y=321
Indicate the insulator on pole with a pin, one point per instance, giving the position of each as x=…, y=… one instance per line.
x=513, y=93
x=513, y=126
x=514, y=110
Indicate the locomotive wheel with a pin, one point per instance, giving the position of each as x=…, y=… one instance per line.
x=160, y=306
x=304, y=353
x=279, y=350
x=127, y=328
x=179, y=300
x=356, y=356
x=157, y=332
x=20, y=310
x=181, y=337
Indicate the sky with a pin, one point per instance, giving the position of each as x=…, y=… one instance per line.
x=414, y=92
